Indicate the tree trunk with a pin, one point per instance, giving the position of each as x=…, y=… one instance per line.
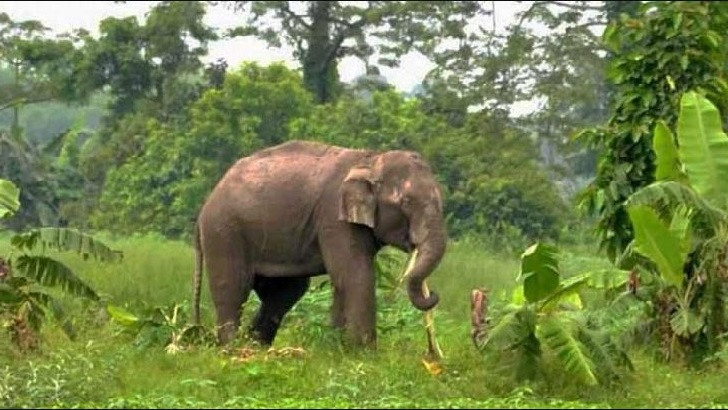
x=319, y=66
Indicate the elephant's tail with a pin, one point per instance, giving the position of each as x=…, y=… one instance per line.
x=199, y=256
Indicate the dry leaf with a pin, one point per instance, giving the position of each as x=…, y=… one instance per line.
x=433, y=367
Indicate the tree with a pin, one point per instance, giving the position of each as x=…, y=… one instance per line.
x=33, y=59
x=560, y=71
x=667, y=49
x=37, y=69
x=681, y=231
x=152, y=70
x=545, y=320
x=488, y=169
x=26, y=278
x=162, y=188
x=148, y=60
x=324, y=32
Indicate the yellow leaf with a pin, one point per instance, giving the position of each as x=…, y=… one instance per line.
x=433, y=367
x=671, y=83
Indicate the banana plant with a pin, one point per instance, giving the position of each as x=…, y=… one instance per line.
x=25, y=276
x=545, y=319
x=681, y=226
x=161, y=325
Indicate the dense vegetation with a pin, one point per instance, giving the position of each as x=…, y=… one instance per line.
x=597, y=224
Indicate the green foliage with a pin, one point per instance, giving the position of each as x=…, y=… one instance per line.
x=385, y=121
x=150, y=69
x=703, y=147
x=667, y=165
x=165, y=326
x=24, y=301
x=544, y=319
x=38, y=65
x=161, y=189
x=319, y=30
x=654, y=240
x=663, y=51
x=144, y=60
x=103, y=368
x=681, y=226
x=9, y=198
x=493, y=186
x=539, y=272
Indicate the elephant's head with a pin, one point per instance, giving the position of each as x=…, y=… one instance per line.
x=396, y=194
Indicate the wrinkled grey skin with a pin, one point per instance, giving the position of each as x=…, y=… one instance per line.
x=301, y=209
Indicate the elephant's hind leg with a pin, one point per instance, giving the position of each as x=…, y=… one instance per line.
x=230, y=280
x=277, y=296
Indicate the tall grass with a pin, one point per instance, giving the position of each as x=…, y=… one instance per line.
x=104, y=368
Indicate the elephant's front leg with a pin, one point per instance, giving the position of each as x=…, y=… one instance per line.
x=337, y=307
x=348, y=253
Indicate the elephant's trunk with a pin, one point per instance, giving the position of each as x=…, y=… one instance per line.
x=429, y=238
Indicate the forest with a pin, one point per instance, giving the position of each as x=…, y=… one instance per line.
x=587, y=257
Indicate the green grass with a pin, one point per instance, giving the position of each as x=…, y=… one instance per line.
x=106, y=368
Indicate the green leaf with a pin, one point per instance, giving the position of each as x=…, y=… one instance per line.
x=122, y=316
x=610, y=38
x=655, y=241
x=9, y=198
x=685, y=322
x=8, y=295
x=539, y=271
x=666, y=196
x=66, y=239
x=50, y=272
x=668, y=162
x=680, y=227
x=50, y=303
x=607, y=279
x=608, y=357
x=512, y=329
x=703, y=146
x=560, y=335
x=517, y=298
x=566, y=293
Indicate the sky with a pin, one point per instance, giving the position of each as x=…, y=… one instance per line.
x=62, y=16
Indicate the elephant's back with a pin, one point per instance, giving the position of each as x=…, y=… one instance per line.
x=300, y=148
x=307, y=163
x=271, y=197
x=289, y=176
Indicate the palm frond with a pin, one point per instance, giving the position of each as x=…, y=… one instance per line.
x=66, y=239
x=9, y=198
x=609, y=358
x=559, y=333
x=50, y=303
x=50, y=272
x=513, y=328
x=665, y=196
x=8, y=295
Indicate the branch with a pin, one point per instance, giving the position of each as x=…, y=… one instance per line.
x=25, y=100
x=286, y=9
x=573, y=6
x=579, y=7
x=357, y=24
x=343, y=35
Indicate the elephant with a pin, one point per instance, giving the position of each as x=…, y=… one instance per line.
x=301, y=209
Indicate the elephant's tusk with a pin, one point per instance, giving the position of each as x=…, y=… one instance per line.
x=433, y=347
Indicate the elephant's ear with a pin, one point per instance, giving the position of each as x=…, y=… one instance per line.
x=357, y=202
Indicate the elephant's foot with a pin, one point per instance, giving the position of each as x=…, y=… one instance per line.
x=337, y=320
x=360, y=338
x=226, y=334
x=263, y=331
